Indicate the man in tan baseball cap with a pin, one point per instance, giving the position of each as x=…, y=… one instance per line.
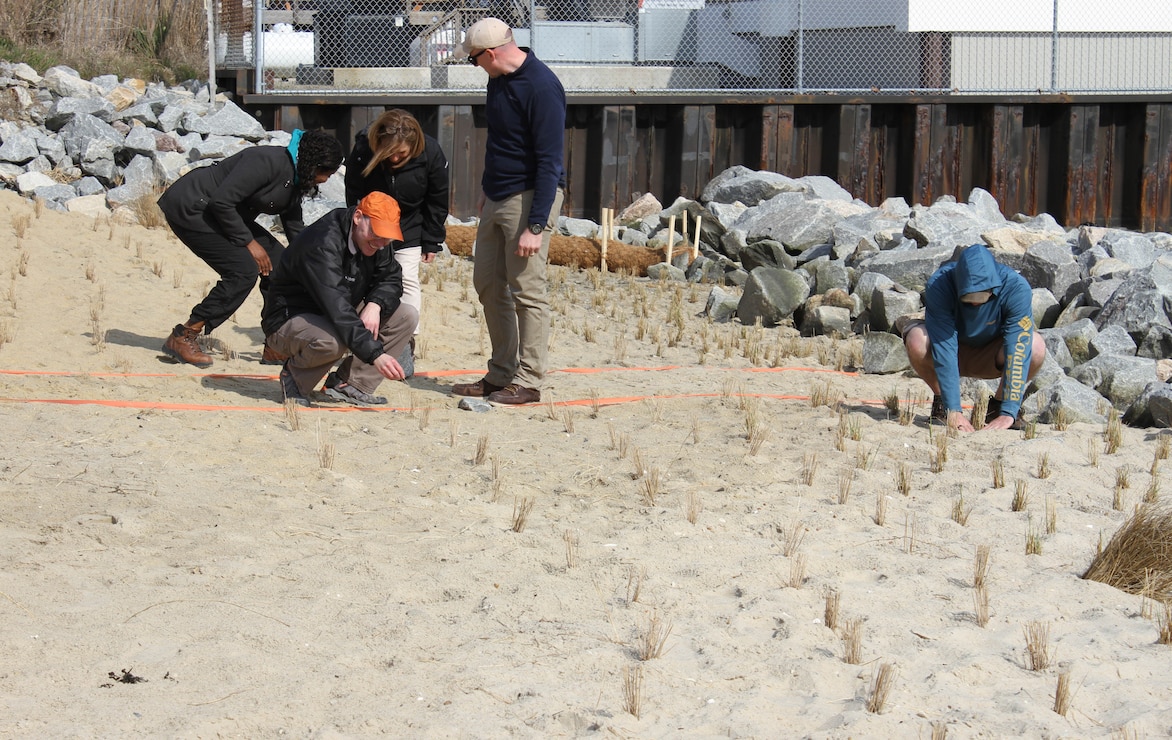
x=522, y=190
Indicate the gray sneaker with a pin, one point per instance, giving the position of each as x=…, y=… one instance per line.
x=290, y=390
x=339, y=390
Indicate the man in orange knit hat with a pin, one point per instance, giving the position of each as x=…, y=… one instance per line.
x=337, y=288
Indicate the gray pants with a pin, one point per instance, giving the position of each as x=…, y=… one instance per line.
x=313, y=347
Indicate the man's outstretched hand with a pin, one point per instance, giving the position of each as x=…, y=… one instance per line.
x=957, y=420
x=389, y=367
x=1001, y=422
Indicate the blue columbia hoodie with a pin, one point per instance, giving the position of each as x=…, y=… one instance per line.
x=1008, y=317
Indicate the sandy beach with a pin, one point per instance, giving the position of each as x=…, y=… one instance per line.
x=184, y=558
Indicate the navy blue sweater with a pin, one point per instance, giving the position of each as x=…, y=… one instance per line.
x=526, y=113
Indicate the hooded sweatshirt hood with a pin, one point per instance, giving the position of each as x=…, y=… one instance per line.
x=976, y=270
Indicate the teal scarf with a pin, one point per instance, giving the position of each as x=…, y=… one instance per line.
x=294, y=143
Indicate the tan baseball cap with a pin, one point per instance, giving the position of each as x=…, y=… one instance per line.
x=487, y=33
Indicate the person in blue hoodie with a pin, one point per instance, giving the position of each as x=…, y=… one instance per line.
x=978, y=323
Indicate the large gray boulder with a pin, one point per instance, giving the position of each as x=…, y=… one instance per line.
x=1057, y=351
x=1136, y=250
x=861, y=234
x=1120, y=379
x=947, y=223
x=19, y=148
x=1136, y=305
x=1112, y=340
x=765, y=253
x=1077, y=336
x=721, y=306
x=868, y=283
x=66, y=82
x=796, y=221
x=884, y=353
x=909, y=268
x=772, y=295
x=1153, y=408
x=888, y=304
x=229, y=120
x=833, y=321
x=747, y=186
x=1157, y=344
x=139, y=179
x=1044, y=307
x=1079, y=403
x=1050, y=265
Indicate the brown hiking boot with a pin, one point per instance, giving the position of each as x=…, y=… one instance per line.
x=183, y=345
x=514, y=395
x=479, y=389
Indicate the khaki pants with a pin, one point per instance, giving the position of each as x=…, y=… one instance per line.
x=410, y=258
x=313, y=347
x=513, y=292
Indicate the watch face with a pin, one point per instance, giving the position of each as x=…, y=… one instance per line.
x=536, y=228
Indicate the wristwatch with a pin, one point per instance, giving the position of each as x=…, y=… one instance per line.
x=536, y=228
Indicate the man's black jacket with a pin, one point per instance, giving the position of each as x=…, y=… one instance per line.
x=318, y=274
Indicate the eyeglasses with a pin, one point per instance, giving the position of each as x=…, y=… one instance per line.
x=472, y=58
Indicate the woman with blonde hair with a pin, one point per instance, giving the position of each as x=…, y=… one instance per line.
x=395, y=157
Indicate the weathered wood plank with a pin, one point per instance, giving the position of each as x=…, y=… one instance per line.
x=922, y=155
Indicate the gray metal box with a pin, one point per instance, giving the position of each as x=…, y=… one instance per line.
x=667, y=35
x=559, y=42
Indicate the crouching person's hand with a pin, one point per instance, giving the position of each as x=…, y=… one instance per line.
x=957, y=420
x=389, y=367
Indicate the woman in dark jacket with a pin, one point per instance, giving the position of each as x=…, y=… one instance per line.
x=395, y=157
x=213, y=211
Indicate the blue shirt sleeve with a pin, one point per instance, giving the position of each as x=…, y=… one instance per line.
x=940, y=301
x=1017, y=328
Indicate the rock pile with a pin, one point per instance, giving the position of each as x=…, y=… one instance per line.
x=97, y=146
x=805, y=251
x=800, y=250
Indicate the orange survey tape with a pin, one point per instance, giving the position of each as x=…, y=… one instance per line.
x=612, y=401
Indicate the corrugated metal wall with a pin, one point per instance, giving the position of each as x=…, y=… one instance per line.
x=1104, y=162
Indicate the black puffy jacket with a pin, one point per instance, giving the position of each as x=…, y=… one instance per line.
x=223, y=198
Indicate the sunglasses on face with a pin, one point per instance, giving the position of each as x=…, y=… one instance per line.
x=472, y=58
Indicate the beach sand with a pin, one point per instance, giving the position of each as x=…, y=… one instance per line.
x=362, y=575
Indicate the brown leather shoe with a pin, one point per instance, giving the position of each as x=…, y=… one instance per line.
x=271, y=356
x=514, y=395
x=479, y=389
x=183, y=345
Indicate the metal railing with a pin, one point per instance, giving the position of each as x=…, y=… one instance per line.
x=770, y=46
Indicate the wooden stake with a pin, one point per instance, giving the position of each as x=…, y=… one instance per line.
x=671, y=237
x=607, y=215
x=696, y=239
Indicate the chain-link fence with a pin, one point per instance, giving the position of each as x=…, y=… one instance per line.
x=774, y=46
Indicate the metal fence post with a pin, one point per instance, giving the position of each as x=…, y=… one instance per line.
x=1054, y=52
x=258, y=46
x=210, y=8
x=801, y=50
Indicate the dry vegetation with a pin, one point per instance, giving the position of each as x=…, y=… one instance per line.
x=1138, y=557
x=149, y=40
